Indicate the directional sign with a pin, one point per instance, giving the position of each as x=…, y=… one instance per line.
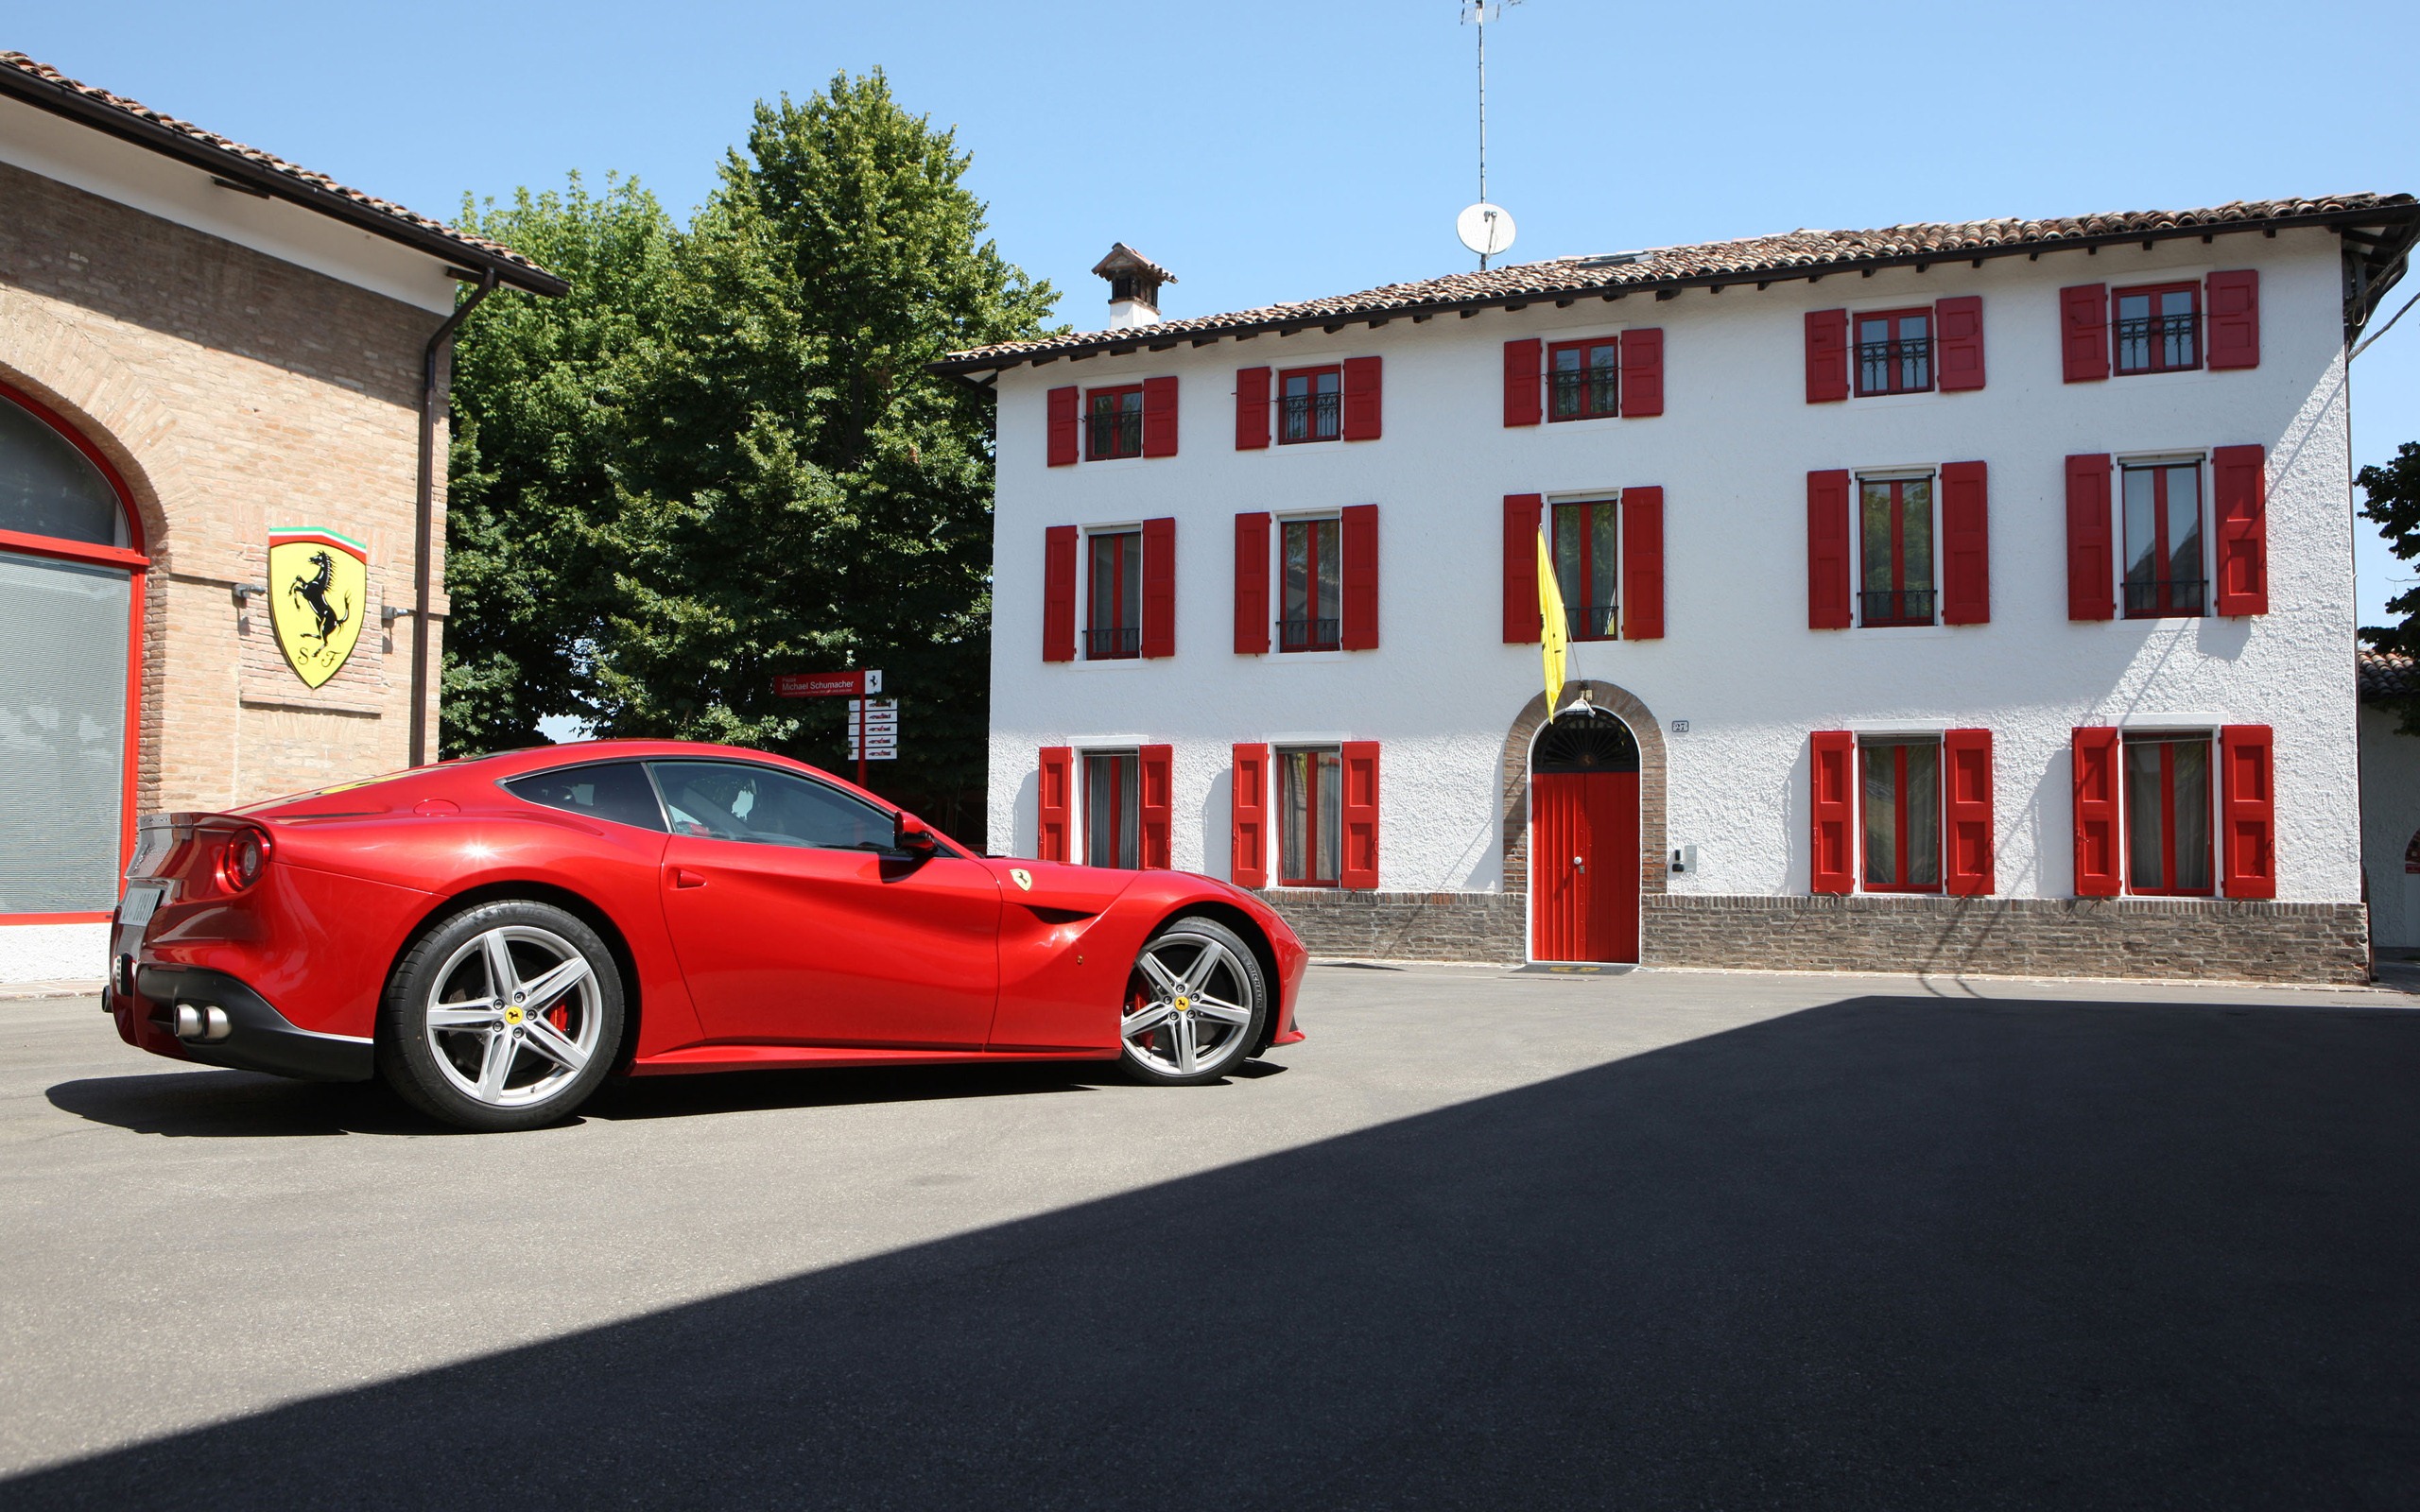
x=828, y=684
x=878, y=716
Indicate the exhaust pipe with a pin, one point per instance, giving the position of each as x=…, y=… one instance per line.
x=208, y=1023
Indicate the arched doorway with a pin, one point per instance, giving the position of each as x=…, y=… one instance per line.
x=1585, y=839
x=71, y=615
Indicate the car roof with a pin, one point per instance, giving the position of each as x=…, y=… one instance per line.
x=466, y=774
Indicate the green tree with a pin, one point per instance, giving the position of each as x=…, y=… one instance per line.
x=800, y=494
x=539, y=435
x=2392, y=502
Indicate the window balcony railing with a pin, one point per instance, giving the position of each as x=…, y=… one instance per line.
x=1310, y=417
x=1308, y=635
x=1113, y=644
x=2156, y=598
x=1895, y=605
x=1895, y=367
x=1583, y=393
x=1116, y=434
x=2159, y=343
x=1591, y=622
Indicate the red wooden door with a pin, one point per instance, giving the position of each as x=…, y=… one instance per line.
x=1584, y=866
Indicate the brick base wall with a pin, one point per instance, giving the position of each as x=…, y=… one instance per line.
x=2179, y=939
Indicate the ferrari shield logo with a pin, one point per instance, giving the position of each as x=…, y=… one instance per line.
x=317, y=583
x=1024, y=878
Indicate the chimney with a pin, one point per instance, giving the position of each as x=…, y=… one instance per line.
x=1133, y=286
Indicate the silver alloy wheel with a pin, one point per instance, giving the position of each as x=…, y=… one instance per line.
x=513, y=1016
x=1196, y=1007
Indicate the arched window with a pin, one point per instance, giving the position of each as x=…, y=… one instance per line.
x=71, y=606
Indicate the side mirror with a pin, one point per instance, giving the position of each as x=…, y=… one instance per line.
x=914, y=836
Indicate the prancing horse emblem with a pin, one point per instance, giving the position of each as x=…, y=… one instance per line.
x=1022, y=878
x=319, y=584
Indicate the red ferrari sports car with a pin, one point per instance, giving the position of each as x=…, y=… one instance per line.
x=495, y=936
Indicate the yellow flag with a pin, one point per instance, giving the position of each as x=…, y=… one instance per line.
x=1555, y=636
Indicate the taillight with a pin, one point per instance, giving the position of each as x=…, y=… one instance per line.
x=242, y=860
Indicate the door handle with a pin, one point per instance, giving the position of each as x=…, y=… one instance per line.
x=684, y=877
x=1579, y=862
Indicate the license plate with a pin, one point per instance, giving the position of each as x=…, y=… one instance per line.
x=140, y=904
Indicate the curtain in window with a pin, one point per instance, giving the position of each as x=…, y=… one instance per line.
x=1112, y=810
x=62, y=731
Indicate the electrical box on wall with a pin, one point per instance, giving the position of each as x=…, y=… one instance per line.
x=1684, y=860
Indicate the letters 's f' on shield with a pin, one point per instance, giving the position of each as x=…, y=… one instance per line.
x=317, y=583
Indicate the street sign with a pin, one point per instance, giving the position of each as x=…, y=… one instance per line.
x=883, y=716
x=828, y=684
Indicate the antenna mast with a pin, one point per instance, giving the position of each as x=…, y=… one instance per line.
x=1478, y=13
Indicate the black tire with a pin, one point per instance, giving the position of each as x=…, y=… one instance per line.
x=536, y=1042
x=1156, y=1050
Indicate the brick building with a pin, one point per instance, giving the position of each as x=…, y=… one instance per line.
x=201, y=345
x=1971, y=596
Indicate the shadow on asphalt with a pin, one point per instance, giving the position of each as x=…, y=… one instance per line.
x=1884, y=1253
x=240, y=1105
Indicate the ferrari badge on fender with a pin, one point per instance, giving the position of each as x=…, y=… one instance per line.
x=1022, y=878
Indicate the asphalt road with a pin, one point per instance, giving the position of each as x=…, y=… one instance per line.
x=1670, y=1240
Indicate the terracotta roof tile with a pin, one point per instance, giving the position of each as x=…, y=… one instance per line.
x=307, y=184
x=2389, y=675
x=1790, y=254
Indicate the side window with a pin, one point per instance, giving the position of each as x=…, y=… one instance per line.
x=737, y=800
x=616, y=791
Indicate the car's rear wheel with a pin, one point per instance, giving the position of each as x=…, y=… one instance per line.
x=1196, y=1005
x=504, y=1017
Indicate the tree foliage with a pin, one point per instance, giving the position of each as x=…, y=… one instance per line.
x=760, y=476
x=2392, y=502
x=538, y=433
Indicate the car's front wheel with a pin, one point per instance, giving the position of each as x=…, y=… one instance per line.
x=1196, y=1005
x=507, y=1016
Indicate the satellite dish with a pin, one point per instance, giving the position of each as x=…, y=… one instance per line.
x=1485, y=229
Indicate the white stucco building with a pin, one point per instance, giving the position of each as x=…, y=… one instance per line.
x=2390, y=802
x=1974, y=595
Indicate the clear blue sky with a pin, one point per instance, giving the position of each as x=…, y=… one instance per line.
x=1274, y=151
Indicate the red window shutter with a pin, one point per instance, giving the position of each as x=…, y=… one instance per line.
x=2090, y=556
x=1363, y=398
x=1248, y=856
x=1642, y=385
x=1832, y=865
x=2239, y=490
x=2233, y=301
x=1251, y=584
x=2084, y=332
x=1522, y=513
x=1957, y=361
x=1642, y=564
x=1360, y=631
x=1159, y=587
x=1358, y=866
x=1057, y=780
x=1156, y=803
x=1252, y=408
x=1965, y=543
x=1966, y=801
x=2098, y=837
x=1062, y=447
x=1159, y=417
x=1059, y=594
x=1827, y=355
x=1827, y=550
x=1524, y=380
x=2248, y=811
